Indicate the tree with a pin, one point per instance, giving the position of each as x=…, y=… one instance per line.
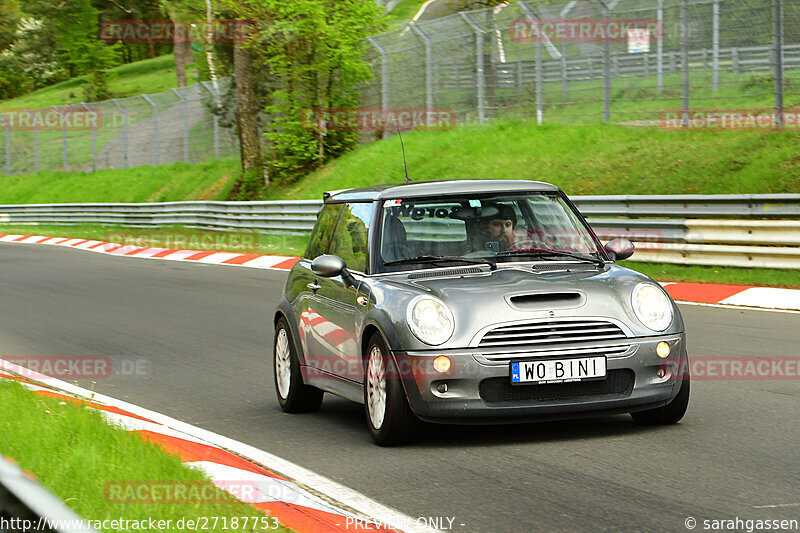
x=310, y=56
x=247, y=114
x=180, y=12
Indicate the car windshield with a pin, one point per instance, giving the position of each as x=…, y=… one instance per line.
x=491, y=229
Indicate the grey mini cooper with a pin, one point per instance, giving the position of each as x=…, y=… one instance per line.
x=473, y=301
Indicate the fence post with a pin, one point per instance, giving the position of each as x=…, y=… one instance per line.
x=384, y=74
x=520, y=77
x=94, y=136
x=660, y=48
x=539, y=66
x=564, y=80
x=685, y=63
x=481, y=81
x=563, y=71
x=35, y=141
x=777, y=44
x=606, y=70
x=185, y=104
x=8, y=145
x=735, y=60
x=124, y=131
x=64, y=152
x=156, y=144
x=715, y=51
x=428, y=68
x=215, y=97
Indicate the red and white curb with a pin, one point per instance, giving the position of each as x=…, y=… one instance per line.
x=276, y=262
x=298, y=498
x=700, y=293
x=735, y=295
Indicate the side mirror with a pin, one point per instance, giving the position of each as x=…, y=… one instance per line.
x=330, y=266
x=619, y=249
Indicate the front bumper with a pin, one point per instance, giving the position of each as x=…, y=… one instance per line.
x=478, y=388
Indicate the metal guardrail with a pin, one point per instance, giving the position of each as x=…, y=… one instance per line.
x=759, y=230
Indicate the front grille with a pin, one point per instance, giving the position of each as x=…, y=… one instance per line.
x=553, y=333
x=561, y=351
x=500, y=390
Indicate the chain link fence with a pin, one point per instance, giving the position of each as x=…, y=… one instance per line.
x=184, y=124
x=676, y=55
x=669, y=62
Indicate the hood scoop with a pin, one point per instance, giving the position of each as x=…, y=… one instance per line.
x=546, y=300
x=446, y=273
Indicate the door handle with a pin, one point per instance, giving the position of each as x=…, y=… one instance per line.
x=313, y=286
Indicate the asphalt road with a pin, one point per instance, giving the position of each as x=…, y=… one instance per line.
x=204, y=335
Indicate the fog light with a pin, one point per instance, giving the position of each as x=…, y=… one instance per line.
x=441, y=364
x=662, y=349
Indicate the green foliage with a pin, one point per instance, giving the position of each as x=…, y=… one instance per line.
x=98, y=87
x=250, y=186
x=9, y=19
x=12, y=80
x=312, y=53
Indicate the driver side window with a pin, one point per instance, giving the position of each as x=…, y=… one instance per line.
x=350, y=242
x=320, y=240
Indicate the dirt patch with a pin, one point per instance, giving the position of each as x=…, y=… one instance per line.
x=213, y=191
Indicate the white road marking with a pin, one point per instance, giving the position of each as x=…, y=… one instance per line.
x=356, y=501
x=776, y=506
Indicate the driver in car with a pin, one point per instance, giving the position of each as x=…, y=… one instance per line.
x=496, y=231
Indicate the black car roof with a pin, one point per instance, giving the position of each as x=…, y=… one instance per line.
x=437, y=188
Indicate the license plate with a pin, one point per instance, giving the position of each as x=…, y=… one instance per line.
x=558, y=370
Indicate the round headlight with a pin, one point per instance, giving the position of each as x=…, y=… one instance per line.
x=430, y=320
x=652, y=307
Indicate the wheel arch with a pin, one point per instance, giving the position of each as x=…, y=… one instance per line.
x=284, y=311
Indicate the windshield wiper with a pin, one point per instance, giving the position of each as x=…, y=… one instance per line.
x=441, y=259
x=553, y=253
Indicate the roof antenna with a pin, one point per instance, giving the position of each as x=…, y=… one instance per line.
x=405, y=165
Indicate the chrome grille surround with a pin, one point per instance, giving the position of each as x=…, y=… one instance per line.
x=551, y=333
x=612, y=351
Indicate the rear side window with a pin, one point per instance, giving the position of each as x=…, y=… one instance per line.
x=320, y=239
x=351, y=240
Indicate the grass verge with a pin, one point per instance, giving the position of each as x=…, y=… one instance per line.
x=275, y=244
x=766, y=277
x=147, y=76
x=604, y=159
x=211, y=180
x=77, y=455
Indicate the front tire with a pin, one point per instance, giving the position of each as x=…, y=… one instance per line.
x=389, y=417
x=294, y=396
x=672, y=412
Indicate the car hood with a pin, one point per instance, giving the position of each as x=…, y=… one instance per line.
x=518, y=293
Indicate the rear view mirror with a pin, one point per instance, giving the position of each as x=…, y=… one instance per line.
x=619, y=249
